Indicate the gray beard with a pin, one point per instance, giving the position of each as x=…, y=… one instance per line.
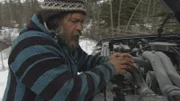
x=64, y=38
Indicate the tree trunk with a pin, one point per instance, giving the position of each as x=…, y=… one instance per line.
x=153, y=19
x=147, y=14
x=10, y=12
x=1, y=13
x=119, y=14
x=132, y=15
x=98, y=17
x=3, y=67
x=111, y=14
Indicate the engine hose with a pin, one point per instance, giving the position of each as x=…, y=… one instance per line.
x=162, y=77
x=141, y=61
x=138, y=80
x=169, y=67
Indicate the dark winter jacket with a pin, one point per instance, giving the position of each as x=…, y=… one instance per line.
x=40, y=69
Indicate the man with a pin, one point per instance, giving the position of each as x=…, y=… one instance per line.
x=46, y=58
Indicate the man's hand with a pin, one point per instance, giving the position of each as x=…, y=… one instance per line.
x=121, y=62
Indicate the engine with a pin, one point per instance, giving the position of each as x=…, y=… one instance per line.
x=155, y=76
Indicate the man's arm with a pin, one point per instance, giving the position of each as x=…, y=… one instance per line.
x=39, y=65
x=86, y=62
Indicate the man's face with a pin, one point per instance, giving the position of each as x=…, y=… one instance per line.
x=72, y=27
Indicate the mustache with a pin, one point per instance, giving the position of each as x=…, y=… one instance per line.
x=77, y=33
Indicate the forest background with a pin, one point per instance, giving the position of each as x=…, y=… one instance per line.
x=105, y=18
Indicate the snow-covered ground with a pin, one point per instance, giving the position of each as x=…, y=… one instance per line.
x=8, y=33
x=86, y=44
x=3, y=79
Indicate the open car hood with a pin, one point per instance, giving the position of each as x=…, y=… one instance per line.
x=173, y=7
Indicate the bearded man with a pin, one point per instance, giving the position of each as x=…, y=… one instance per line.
x=46, y=58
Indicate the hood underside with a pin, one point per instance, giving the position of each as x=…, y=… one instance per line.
x=173, y=7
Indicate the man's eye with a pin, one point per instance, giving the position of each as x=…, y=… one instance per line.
x=77, y=21
x=74, y=21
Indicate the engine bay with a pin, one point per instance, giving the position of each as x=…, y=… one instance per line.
x=155, y=76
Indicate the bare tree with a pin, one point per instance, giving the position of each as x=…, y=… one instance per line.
x=3, y=67
x=10, y=11
x=1, y=13
x=147, y=14
x=132, y=15
x=98, y=17
x=153, y=13
x=111, y=14
x=119, y=13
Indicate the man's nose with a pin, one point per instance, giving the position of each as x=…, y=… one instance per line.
x=79, y=27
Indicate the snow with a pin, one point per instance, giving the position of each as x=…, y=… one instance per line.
x=86, y=44
x=8, y=33
x=3, y=75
